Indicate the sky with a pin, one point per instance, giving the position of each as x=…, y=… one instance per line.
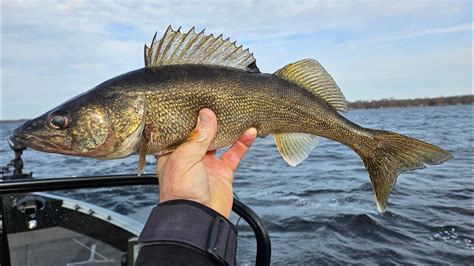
x=53, y=50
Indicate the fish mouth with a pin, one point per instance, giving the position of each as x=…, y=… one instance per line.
x=15, y=143
x=29, y=135
x=22, y=140
x=40, y=144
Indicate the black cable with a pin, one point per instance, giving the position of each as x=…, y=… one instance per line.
x=240, y=217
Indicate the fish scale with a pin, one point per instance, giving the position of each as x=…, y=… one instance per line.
x=154, y=109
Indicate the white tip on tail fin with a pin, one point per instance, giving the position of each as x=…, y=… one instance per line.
x=312, y=76
x=295, y=147
x=177, y=48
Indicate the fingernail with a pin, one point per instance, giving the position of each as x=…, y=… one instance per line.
x=204, y=118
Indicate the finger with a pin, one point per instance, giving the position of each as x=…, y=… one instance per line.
x=248, y=137
x=199, y=141
x=234, y=155
x=160, y=162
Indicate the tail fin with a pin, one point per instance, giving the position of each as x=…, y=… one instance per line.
x=394, y=153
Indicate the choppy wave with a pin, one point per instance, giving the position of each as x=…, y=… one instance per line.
x=323, y=211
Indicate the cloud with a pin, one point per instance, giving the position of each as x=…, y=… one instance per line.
x=54, y=49
x=468, y=27
x=445, y=30
x=406, y=75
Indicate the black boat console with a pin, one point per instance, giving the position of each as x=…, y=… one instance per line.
x=44, y=223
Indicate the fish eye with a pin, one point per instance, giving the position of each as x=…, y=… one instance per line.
x=59, y=121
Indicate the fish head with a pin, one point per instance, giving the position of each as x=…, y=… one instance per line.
x=90, y=125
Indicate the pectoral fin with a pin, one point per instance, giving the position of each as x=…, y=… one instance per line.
x=150, y=131
x=142, y=155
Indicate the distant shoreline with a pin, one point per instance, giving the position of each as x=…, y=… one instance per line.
x=418, y=102
x=12, y=121
x=383, y=103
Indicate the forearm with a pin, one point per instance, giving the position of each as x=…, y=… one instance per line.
x=186, y=232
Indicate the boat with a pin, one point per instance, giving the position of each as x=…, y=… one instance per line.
x=41, y=227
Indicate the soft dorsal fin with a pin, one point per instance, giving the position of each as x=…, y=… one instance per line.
x=311, y=75
x=177, y=48
x=295, y=147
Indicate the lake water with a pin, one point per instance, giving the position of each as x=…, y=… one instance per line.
x=323, y=211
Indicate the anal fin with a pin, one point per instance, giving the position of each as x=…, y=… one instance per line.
x=295, y=147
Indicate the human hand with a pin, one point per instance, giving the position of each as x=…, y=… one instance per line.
x=192, y=172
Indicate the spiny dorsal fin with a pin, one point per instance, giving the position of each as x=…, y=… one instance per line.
x=295, y=147
x=177, y=48
x=311, y=75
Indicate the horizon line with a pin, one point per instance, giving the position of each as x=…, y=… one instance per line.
x=349, y=102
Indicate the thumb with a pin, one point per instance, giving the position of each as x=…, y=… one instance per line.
x=198, y=142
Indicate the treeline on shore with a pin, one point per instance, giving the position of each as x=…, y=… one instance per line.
x=384, y=103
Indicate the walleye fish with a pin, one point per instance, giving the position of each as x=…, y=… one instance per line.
x=154, y=109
